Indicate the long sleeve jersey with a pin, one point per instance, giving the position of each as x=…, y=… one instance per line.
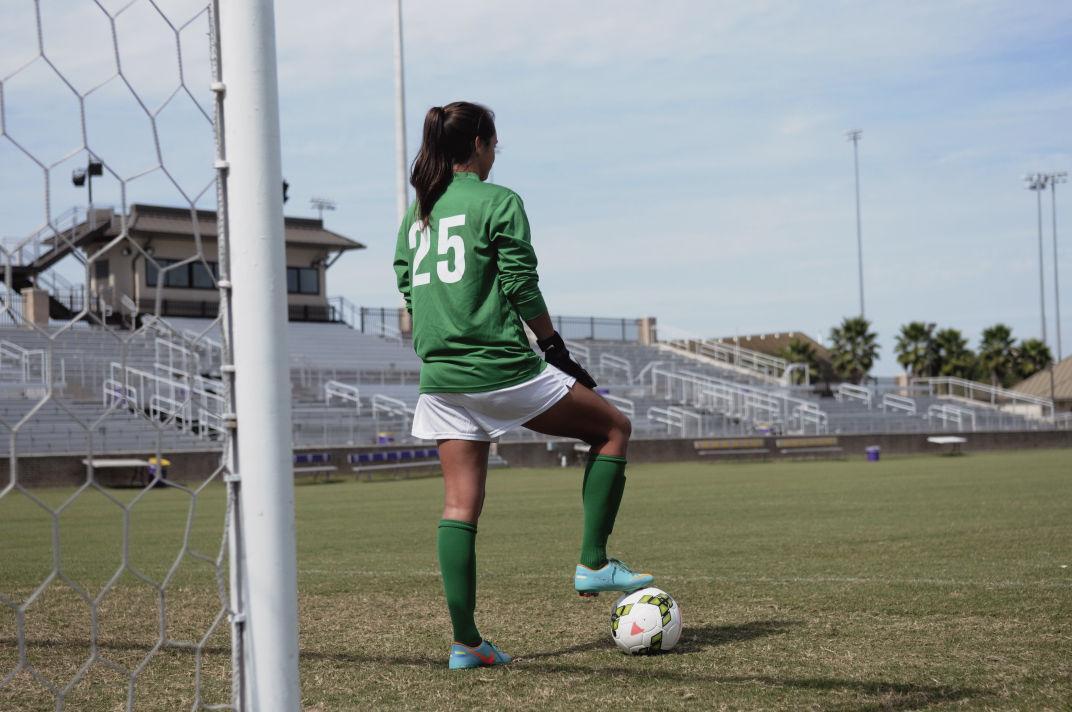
x=469, y=279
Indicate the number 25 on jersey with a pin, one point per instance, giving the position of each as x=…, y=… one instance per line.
x=452, y=247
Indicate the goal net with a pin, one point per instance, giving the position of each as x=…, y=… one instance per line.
x=119, y=499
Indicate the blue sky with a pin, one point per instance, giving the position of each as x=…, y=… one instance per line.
x=683, y=159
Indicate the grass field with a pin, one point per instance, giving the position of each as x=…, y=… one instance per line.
x=912, y=583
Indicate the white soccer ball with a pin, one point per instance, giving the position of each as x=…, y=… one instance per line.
x=646, y=621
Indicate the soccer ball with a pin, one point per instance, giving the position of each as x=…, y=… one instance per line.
x=646, y=621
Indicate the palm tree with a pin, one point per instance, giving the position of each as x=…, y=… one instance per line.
x=954, y=356
x=854, y=348
x=915, y=348
x=800, y=351
x=1032, y=356
x=997, y=354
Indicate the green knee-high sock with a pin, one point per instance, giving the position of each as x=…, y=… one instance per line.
x=456, y=544
x=601, y=493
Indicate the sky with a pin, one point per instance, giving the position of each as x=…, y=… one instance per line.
x=684, y=160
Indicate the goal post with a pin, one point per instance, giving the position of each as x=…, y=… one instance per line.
x=266, y=625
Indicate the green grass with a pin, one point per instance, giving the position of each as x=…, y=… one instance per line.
x=913, y=583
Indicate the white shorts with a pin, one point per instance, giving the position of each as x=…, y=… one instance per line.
x=487, y=416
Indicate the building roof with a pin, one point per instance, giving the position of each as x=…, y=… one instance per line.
x=179, y=222
x=774, y=344
x=1039, y=384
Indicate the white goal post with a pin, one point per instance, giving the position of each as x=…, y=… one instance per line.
x=265, y=578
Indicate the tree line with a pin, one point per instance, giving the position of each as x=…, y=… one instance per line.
x=924, y=350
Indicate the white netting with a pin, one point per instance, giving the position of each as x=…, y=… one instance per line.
x=114, y=577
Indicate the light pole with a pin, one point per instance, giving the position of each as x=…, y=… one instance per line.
x=1055, y=178
x=1038, y=182
x=80, y=176
x=854, y=136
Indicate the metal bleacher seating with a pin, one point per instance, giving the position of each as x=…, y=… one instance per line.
x=351, y=388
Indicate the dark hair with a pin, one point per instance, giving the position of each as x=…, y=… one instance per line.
x=449, y=134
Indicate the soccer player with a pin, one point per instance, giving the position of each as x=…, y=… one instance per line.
x=467, y=271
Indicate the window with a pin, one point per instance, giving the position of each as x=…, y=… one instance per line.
x=192, y=275
x=201, y=277
x=100, y=269
x=303, y=280
x=309, y=281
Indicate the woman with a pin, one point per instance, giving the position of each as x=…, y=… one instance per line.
x=467, y=271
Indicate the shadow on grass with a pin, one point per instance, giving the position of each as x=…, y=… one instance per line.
x=694, y=640
x=885, y=694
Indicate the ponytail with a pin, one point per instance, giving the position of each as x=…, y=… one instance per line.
x=448, y=139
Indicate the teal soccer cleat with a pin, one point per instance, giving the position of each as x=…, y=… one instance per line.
x=484, y=655
x=615, y=576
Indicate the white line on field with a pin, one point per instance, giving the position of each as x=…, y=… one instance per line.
x=850, y=580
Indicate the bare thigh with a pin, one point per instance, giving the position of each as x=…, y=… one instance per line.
x=465, y=473
x=584, y=414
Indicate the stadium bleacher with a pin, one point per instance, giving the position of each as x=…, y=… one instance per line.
x=667, y=390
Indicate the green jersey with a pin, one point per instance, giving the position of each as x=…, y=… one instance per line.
x=469, y=279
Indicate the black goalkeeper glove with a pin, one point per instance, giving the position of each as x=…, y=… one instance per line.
x=555, y=353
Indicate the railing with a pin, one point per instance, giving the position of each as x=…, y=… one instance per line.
x=56, y=235
x=596, y=328
x=578, y=350
x=850, y=391
x=759, y=365
x=951, y=414
x=900, y=403
x=811, y=415
x=344, y=392
x=677, y=419
x=735, y=400
x=625, y=405
x=646, y=370
x=178, y=359
x=610, y=362
x=31, y=365
x=985, y=394
x=346, y=312
x=210, y=350
x=390, y=406
x=185, y=402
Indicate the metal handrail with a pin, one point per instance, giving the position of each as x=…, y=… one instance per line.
x=733, y=399
x=891, y=401
x=755, y=362
x=676, y=417
x=843, y=391
x=389, y=405
x=612, y=362
x=578, y=349
x=343, y=391
x=627, y=406
x=990, y=394
x=951, y=413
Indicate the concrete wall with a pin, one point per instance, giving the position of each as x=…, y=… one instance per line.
x=68, y=470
